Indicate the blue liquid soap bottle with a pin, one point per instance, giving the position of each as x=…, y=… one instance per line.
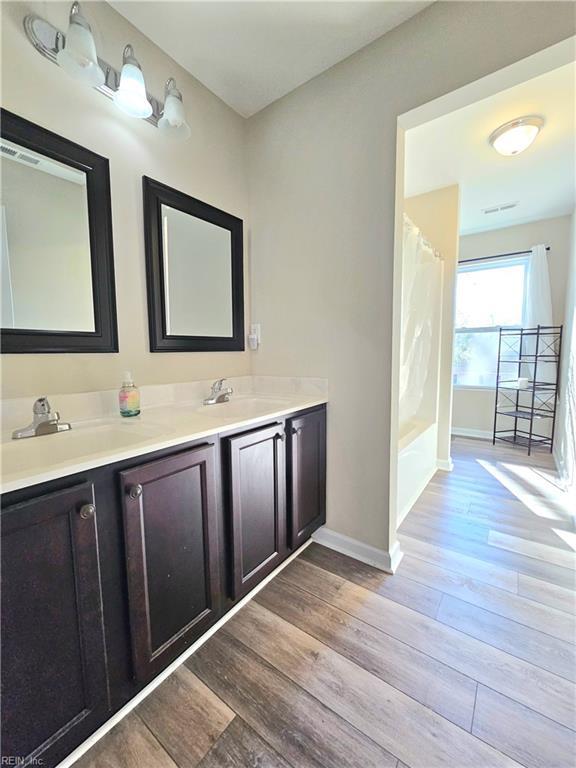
x=129, y=396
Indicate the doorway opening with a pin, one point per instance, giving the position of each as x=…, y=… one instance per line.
x=484, y=241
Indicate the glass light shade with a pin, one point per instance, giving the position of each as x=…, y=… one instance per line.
x=78, y=57
x=173, y=121
x=131, y=94
x=516, y=136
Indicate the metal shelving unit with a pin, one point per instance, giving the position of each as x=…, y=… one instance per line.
x=532, y=354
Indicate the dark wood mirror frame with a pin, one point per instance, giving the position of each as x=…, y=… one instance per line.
x=156, y=195
x=104, y=338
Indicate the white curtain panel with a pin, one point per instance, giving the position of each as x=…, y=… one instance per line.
x=538, y=309
x=538, y=297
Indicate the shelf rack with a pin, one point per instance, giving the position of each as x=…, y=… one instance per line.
x=532, y=354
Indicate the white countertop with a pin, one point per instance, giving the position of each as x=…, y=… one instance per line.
x=97, y=442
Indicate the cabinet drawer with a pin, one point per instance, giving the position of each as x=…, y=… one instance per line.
x=54, y=684
x=172, y=555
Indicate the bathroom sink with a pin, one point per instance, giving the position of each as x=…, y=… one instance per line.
x=245, y=407
x=78, y=443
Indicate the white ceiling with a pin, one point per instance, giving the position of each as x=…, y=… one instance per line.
x=454, y=149
x=252, y=53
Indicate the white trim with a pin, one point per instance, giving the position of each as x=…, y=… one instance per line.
x=419, y=490
x=480, y=434
x=445, y=465
x=127, y=708
x=366, y=553
x=532, y=66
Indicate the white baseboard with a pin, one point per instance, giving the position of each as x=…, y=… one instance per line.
x=366, y=553
x=446, y=465
x=480, y=434
x=127, y=708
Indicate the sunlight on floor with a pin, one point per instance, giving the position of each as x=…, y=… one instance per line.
x=533, y=490
x=568, y=536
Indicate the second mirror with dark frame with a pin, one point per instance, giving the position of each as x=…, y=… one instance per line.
x=194, y=268
x=57, y=264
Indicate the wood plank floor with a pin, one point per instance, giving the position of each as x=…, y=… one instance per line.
x=463, y=659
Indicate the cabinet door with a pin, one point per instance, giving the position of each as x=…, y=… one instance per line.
x=306, y=475
x=54, y=684
x=257, y=505
x=171, y=549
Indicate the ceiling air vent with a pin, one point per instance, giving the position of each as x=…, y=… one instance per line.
x=498, y=208
x=41, y=163
x=15, y=154
x=27, y=159
x=8, y=150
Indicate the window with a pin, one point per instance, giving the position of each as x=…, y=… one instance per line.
x=489, y=295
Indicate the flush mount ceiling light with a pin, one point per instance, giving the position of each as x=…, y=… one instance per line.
x=78, y=56
x=517, y=135
x=173, y=121
x=76, y=53
x=131, y=95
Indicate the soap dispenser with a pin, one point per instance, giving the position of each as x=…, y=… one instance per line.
x=129, y=396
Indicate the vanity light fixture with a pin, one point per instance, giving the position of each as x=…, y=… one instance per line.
x=517, y=135
x=75, y=52
x=131, y=95
x=78, y=56
x=173, y=121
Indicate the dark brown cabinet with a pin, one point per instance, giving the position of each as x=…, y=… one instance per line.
x=112, y=573
x=171, y=554
x=306, y=475
x=256, y=505
x=54, y=682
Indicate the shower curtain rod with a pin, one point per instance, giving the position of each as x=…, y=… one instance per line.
x=498, y=256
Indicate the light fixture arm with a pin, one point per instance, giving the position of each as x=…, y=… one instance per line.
x=48, y=40
x=76, y=14
x=170, y=89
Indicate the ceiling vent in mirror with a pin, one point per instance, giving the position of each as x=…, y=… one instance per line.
x=15, y=154
x=499, y=208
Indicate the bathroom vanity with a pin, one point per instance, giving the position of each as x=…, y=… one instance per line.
x=113, y=568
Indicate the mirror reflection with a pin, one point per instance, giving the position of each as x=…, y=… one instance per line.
x=197, y=270
x=46, y=269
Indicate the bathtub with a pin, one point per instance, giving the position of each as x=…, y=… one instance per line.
x=417, y=462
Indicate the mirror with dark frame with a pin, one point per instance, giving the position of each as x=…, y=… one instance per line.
x=194, y=271
x=56, y=255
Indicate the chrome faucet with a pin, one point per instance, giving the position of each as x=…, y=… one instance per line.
x=218, y=394
x=45, y=421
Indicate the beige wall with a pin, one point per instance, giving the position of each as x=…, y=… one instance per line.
x=210, y=166
x=322, y=176
x=473, y=409
x=565, y=443
x=437, y=214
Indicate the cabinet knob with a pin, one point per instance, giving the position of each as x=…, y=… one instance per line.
x=281, y=436
x=87, y=511
x=135, y=491
x=296, y=430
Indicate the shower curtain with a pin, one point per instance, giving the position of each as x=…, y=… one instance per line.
x=421, y=303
